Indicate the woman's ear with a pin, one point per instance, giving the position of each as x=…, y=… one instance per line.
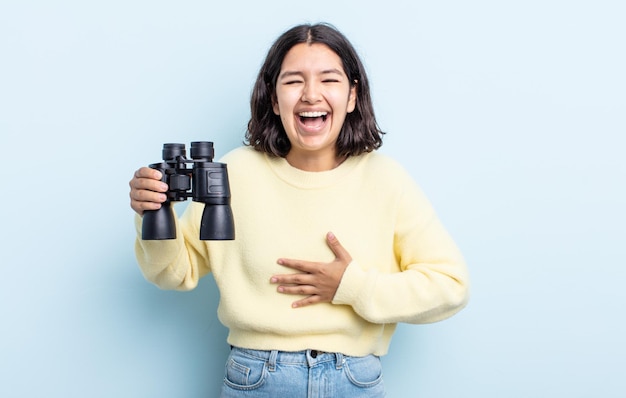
x=352, y=96
x=269, y=92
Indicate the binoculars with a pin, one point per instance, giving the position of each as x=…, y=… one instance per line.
x=206, y=182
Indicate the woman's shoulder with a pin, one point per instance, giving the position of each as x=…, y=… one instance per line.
x=378, y=162
x=242, y=155
x=388, y=172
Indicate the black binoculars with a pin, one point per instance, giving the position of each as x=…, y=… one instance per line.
x=208, y=183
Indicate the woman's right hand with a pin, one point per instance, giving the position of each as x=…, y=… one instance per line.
x=147, y=191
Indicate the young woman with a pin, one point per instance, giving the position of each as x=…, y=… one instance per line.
x=335, y=243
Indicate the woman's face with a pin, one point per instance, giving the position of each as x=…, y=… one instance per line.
x=313, y=97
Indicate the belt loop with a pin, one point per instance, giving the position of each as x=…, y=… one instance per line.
x=272, y=360
x=340, y=360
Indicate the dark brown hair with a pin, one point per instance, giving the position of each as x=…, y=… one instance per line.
x=360, y=132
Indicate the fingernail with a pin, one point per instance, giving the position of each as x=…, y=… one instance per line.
x=273, y=280
x=331, y=235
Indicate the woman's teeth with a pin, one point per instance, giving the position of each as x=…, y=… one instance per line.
x=304, y=115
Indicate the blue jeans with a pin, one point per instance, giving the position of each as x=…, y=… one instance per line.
x=303, y=374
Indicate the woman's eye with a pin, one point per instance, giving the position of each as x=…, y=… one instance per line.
x=288, y=82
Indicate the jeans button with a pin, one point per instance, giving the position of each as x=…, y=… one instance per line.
x=313, y=353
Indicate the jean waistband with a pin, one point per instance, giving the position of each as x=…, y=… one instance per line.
x=307, y=357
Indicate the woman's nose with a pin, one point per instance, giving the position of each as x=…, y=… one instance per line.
x=311, y=93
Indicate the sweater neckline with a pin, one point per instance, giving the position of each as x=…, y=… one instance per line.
x=312, y=179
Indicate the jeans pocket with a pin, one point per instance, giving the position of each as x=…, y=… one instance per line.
x=244, y=373
x=364, y=372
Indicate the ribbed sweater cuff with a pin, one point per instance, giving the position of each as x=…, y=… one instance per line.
x=352, y=284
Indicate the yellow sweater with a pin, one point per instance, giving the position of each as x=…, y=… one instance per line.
x=405, y=267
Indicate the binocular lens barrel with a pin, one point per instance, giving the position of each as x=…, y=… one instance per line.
x=202, y=150
x=159, y=224
x=171, y=151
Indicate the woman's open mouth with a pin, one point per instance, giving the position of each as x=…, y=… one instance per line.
x=313, y=119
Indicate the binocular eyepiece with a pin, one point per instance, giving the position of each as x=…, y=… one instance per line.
x=208, y=183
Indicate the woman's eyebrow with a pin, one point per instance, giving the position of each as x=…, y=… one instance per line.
x=332, y=71
x=289, y=74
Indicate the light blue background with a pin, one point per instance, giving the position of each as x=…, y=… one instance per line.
x=510, y=114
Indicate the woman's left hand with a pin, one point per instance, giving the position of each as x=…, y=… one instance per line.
x=318, y=281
